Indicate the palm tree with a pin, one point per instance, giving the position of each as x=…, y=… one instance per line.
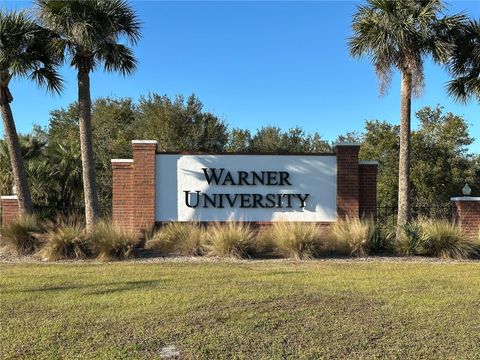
x=464, y=64
x=25, y=51
x=400, y=34
x=90, y=32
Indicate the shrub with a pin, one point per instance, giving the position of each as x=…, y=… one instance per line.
x=383, y=240
x=411, y=242
x=446, y=240
x=351, y=236
x=230, y=239
x=109, y=242
x=20, y=235
x=295, y=240
x=178, y=238
x=64, y=240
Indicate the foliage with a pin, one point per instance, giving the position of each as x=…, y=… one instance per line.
x=108, y=242
x=296, y=240
x=446, y=240
x=464, y=62
x=20, y=235
x=352, y=236
x=178, y=238
x=229, y=239
x=411, y=243
x=65, y=239
x=179, y=124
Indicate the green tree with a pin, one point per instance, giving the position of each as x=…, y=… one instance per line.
x=464, y=63
x=25, y=52
x=400, y=34
x=90, y=32
x=179, y=125
x=239, y=140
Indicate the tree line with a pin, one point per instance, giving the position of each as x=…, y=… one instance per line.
x=441, y=161
x=396, y=35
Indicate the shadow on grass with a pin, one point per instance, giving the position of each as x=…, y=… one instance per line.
x=96, y=289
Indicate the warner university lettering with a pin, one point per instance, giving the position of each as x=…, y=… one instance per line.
x=156, y=187
x=223, y=177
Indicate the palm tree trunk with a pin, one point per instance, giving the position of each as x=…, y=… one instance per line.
x=86, y=146
x=404, y=162
x=16, y=160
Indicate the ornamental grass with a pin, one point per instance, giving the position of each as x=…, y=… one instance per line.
x=20, y=236
x=108, y=242
x=230, y=239
x=178, y=238
x=352, y=236
x=295, y=240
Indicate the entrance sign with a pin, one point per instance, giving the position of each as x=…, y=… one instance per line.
x=155, y=187
x=260, y=188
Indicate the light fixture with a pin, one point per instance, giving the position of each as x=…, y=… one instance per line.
x=14, y=190
x=466, y=190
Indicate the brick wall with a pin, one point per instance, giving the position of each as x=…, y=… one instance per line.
x=467, y=214
x=10, y=209
x=368, y=189
x=134, y=188
x=347, y=180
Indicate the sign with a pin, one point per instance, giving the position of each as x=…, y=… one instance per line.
x=259, y=188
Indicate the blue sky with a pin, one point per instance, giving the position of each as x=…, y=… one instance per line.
x=254, y=64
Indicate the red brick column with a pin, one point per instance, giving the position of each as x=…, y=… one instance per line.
x=10, y=209
x=368, y=189
x=144, y=171
x=467, y=214
x=122, y=191
x=347, y=180
x=133, y=202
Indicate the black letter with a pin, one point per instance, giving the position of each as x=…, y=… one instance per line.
x=186, y=199
x=302, y=199
x=284, y=177
x=213, y=175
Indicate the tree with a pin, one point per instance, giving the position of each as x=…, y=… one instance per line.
x=25, y=52
x=90, y=33
x=464, y=63
x=400, y=34
x=179, y=124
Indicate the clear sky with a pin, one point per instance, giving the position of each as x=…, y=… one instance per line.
x=254, y=64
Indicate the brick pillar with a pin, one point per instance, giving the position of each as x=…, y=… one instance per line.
x=467, y=214
x=10, y=209
x=144, y=171
x=347, y=180
x=368, y=189
x=122, y=191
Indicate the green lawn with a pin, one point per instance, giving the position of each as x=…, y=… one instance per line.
x=244, y=310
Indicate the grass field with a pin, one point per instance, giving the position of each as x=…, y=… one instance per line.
x=241, y=310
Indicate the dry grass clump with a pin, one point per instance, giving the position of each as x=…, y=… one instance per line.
x=178, y=238
x=19, y=236
x=108, y=242
x=295, y=240
x=65, y=239
x=230, y=239
x=443, y=239
x=352, y=236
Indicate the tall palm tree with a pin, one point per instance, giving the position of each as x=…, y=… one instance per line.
x=25, y=51
x=91, y=32
x=464, y=64
x=400, y=34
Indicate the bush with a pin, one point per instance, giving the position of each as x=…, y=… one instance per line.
x=109, y=242
x=352, y=236
x=383, y=240
x=230, y=239
x=65, y=239
x=178, y=238
x=20, y=236
x=446, y=240
x=411, y=242
x=295, y=240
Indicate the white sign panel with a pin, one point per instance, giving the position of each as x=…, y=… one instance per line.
x=246, y=187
